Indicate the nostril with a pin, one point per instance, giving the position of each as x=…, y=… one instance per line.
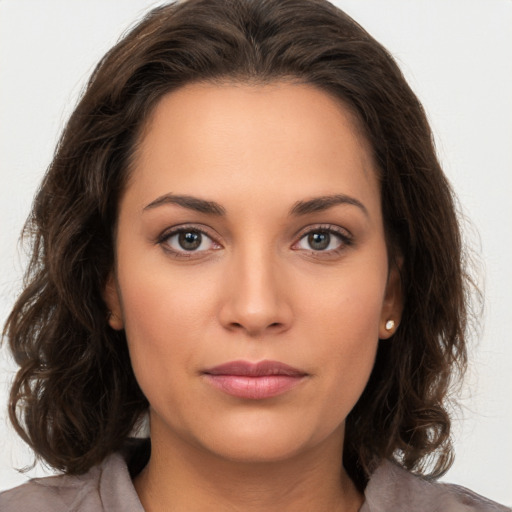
x=272, y=326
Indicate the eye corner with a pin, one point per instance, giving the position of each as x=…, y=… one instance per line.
x=173, y=241
x=330, y=240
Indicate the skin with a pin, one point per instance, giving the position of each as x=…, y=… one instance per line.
x=255, y=289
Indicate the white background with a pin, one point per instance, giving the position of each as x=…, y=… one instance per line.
x=457, y=56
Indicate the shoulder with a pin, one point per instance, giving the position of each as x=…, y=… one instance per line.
x=393, y=489
x=55, y=493
x=107, y=486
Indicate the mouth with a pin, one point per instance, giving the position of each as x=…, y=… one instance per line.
x=254, y=381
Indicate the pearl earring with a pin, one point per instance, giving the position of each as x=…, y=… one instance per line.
x=390, y=324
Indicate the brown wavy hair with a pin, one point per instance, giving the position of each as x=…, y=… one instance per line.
x=75, y=398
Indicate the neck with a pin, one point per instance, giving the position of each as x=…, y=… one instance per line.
x=182, y=477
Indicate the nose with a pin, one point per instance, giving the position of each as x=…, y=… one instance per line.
x=255, y=296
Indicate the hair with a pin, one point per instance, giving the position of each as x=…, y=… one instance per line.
x=75, y=398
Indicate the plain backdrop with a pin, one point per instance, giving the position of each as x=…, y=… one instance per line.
x=456, y=54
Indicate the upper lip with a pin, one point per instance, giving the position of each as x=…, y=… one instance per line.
x=249, y=369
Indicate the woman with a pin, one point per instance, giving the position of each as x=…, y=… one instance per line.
x=245, y=233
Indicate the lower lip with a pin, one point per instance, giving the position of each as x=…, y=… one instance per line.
x=254, y=388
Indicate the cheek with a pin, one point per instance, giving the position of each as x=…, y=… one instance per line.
x=156, y=308
x=342, y=318
x=347, y=307
x=165, y=314
x=350, y=339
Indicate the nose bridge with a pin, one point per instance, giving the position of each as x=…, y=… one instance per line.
x=255, y=300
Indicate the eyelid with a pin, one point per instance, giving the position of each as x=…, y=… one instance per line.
x=343, y=233
x=174, y=230
x=331, y=228
x=345, y=236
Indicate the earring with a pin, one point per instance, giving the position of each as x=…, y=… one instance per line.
x=390, y=324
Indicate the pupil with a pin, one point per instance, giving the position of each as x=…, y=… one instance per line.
x=319, y=241
x=189, y=240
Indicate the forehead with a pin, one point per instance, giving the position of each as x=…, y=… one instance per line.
x=218, y=137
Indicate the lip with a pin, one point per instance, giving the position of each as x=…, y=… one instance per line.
x=254, y=381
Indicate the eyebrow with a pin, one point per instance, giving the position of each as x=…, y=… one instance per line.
x=189, y=202
x=317, y=204
x=322, y=203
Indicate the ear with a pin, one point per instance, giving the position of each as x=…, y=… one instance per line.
x=392, y=305
x=113, y=302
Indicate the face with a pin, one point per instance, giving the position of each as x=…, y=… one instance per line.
x=252, y=276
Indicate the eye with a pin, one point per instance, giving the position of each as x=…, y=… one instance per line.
x=186, y=241
x=323, y=240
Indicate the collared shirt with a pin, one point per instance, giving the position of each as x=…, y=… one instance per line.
x=108, y=487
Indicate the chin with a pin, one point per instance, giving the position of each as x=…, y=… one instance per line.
x=262, y=440
x=257, y=450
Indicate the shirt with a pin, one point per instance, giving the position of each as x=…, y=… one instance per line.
x=108, y=487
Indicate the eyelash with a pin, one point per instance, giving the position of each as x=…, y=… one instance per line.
x=345, y=238
x=164, y=238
